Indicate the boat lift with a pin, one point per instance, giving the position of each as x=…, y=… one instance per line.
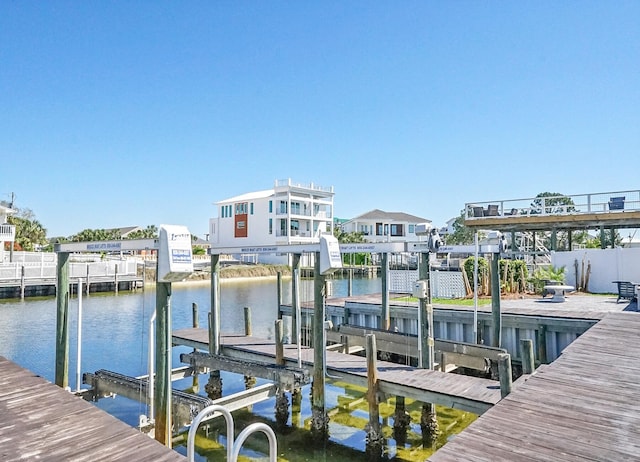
x=175, y=263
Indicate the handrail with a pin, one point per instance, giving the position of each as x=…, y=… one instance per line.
x=233, y=446
x=256, y=427
x=207, y=412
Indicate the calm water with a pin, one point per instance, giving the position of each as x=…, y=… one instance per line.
x=115, y=337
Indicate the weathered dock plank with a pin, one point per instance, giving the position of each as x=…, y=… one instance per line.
x=582, y=407
x=453, y=390
x=40, y=421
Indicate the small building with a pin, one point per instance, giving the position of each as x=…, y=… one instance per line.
x=289, y=213
x=379, y=226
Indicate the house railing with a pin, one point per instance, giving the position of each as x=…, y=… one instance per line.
x=7, y=233
x=604, y=202
x=289, y=183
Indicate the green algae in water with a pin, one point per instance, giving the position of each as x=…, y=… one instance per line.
x=348, y=421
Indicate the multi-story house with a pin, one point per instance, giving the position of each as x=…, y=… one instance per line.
x=7, y=231
x=379, y=226
x=290, y=213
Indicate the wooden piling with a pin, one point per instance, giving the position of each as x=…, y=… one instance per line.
x=22, y=282
x=88, y=282
x=385, y=320
x=115, y=279
x=247, y=321
x=374, y=433
x=295, y=291
x=526, y=354
x=214, y=318
x=401, y=421
x=195, y=323
x=426, y=334
x=279, y=293
x=496, y=314
x=504, y=372
x=279, y=334
x=62, y=321
x=319, y=417
x=163, y=432
x=541, y=335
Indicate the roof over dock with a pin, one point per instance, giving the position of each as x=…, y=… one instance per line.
x=581, y=407
x=39, y=420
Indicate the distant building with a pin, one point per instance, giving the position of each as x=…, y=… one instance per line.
x=7, y=231
x=289, y=213
x=379, y=226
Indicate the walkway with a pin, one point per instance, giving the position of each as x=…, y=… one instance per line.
x=39, y=420
x=452, y=390
x=581, y=407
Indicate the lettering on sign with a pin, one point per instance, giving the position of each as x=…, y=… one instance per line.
x=105, y=246
x=181, y=255
x=259, y=249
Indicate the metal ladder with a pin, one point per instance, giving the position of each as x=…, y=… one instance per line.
x=233, y=447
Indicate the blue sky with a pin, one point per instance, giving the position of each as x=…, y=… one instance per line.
x=135, y=113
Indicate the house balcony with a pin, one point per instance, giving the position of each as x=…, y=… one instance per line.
x=7, y=233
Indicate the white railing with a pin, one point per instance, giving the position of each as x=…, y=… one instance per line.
x=7, y=233
x=312, y=186
x=605, y=202
x=33, y=271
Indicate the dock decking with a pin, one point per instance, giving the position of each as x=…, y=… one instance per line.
x=41, y=421
x=582, y=407
x=456, y=391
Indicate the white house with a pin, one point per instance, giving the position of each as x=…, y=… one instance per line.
x=379, y=226
x=290, y=213
x=7, y=231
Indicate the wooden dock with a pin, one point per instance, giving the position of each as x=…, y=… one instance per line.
x=452, y=390
x=40, y=421
x=582, y=407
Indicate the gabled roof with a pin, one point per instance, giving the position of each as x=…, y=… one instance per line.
x=248, y=196
x=377, y=214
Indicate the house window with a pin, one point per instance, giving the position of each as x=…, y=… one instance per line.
x=382, y=229
x=295, y=227
x=240, y=225
x=251, y=207
x=270, y=225
x=295, y=208
x=283, y=207
x=241, y=208
x=397, y=230
x=270, y=206
x=412, y=229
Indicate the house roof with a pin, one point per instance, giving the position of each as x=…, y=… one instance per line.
x=248, y=196
x=377, y=214
x=125, y=231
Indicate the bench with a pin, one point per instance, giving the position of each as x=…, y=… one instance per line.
x=626, y=290
x=558, y=292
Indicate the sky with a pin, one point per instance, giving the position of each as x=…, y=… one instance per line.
x=135, y=113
